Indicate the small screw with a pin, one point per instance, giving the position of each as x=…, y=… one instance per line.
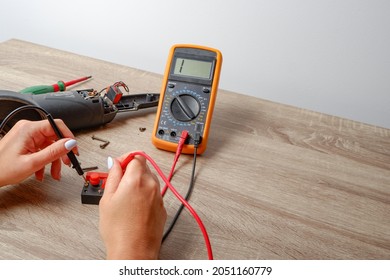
x=99, y=139
x=102, y=146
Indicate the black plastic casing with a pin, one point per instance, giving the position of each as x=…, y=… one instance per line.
x=74, y=108
x=91, y=194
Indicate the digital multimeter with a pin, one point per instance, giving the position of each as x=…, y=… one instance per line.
x=187, y=97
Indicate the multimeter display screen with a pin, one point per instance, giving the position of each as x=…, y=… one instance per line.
x=193, y=68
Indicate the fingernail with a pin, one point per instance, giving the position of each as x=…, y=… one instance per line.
x=110, y=162
x=70, y=144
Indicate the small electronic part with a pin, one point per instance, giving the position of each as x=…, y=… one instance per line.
x=93, y=188
x=114, y=93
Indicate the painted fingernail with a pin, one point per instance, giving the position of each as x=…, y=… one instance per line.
x=110, y=162
x=70, y=144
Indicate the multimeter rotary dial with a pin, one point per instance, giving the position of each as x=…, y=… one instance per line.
x=185, y=107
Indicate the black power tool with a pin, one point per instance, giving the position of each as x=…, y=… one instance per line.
x=78, y=109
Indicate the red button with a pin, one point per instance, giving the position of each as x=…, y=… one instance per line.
x=94, y=179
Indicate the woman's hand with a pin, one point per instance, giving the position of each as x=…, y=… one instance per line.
x=29, y=146
x=132, y=214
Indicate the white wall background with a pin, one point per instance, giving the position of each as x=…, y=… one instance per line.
x=331, y=56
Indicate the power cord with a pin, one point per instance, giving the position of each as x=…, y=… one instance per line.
x=12, y=114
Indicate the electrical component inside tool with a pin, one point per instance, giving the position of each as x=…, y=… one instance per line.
x=114, y=92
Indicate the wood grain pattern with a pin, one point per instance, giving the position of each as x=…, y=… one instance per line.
x=276, y=182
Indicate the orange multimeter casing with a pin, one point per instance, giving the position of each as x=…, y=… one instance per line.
x=187, y=97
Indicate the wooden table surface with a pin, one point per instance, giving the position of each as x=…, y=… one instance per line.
x=276, y=182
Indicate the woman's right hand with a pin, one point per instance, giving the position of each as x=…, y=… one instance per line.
x=132, y=213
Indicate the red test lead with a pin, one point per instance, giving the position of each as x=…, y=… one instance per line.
x=182, y=141
x=131, y=156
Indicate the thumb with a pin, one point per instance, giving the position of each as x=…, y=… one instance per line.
x=114, y=176
x=53, y=152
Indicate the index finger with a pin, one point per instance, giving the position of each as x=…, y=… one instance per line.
x=48, y=131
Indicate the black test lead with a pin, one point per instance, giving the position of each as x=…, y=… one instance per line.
x=71, y=155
